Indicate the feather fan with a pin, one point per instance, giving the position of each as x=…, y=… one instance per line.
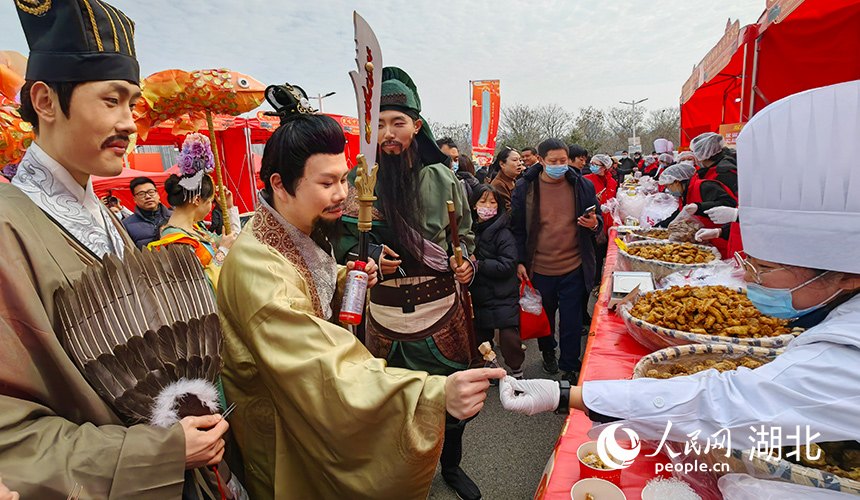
x=145, y=334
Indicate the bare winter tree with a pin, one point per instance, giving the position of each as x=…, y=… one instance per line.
x=596, y=130
x=519, y=126
x=620, y=121
x=554, y=121
x=663, y=124
x=591, y=125
x=459, y=132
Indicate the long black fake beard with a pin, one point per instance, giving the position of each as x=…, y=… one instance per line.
x=327, y=233
x=400, y=198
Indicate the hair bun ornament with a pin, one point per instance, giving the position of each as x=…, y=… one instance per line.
x=195, y=161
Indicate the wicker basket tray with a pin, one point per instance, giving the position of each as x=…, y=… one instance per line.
x=772, y=468
x=659, y=268
x=657, y=337
x=691, y=355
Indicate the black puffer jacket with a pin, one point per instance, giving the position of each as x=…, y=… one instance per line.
x=495, y=291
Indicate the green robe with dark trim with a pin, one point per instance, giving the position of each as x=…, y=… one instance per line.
x=437, y=184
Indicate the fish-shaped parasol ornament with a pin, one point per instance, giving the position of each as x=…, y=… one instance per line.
x=191, y=98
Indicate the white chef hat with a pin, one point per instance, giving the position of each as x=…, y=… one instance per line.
x=662, y=146
x=799, y=180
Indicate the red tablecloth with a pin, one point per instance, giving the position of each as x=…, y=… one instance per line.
x=610, y=354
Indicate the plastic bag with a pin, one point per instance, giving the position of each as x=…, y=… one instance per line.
x=534, y=322
x=611, y=208
x=744, y=487
x=648, y=185
x=723, y=272
x=530, y=299
x=684, y=227
x=657, y=207
x=630, y=206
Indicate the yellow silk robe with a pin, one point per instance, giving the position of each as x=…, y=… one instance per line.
x=54, y=429
x=318, y=417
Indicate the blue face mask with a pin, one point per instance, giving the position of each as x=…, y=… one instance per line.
x=455, y=166
x=555, y=171
x=595, y=169
x=673, y=193
x=777, y=302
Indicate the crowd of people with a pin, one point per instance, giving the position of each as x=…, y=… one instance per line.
x=328, y=411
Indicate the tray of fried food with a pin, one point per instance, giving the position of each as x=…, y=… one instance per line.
x=642, y=234
x=676, y=253
x=662, y=258
x=701, y=315
x=678, y=361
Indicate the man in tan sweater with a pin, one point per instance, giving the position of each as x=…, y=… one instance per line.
x=554, y=224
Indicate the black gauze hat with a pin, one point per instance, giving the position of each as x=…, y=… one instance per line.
x=78, y=41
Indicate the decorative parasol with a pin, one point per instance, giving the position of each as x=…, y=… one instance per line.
x=15, y=135
x=190, y=99
x=13, y=67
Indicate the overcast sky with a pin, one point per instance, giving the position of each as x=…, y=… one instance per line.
x=575, y=53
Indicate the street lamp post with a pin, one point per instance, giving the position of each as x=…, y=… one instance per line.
x=634, y=103
x=320, y=97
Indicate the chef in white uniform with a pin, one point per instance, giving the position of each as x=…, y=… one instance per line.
x=801, y=231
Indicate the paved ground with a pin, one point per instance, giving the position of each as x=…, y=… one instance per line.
x=505, y=452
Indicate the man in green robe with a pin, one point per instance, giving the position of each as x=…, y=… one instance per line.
x=415, y=318
x=55, y=431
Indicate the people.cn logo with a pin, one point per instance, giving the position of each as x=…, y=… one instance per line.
x=612, y=454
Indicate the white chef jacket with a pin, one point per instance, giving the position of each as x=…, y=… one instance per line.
x=816, y=382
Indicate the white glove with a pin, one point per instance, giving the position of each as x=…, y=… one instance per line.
x=707, y=234
x=691, y=208
x=722, y=215
x=536, y=395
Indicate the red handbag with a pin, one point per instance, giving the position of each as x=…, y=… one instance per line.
x=532, y=326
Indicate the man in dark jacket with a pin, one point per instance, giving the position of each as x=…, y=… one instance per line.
x=626, y=164
x=149, y=213
x=717, y=162
x=555, y=247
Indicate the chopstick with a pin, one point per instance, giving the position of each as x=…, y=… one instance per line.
x=229, y=410
x=73, y=495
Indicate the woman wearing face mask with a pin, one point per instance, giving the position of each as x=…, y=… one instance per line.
x=696, y=197
x=495, y=291
x=804, y=261
x=510, y=166
x=605, y=187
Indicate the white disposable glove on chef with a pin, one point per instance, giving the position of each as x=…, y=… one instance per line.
x=707, y=234
x=691, y=208
x=535, y=396
x=722, y=215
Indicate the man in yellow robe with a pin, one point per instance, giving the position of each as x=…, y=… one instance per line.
x=317, y=415
x=55, y=430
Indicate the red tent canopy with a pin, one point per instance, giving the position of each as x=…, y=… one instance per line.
x=241, y=166
x=815, y=45
x=796, y=45
x=713, y=94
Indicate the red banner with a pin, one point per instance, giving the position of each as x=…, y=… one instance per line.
x=485, y=120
